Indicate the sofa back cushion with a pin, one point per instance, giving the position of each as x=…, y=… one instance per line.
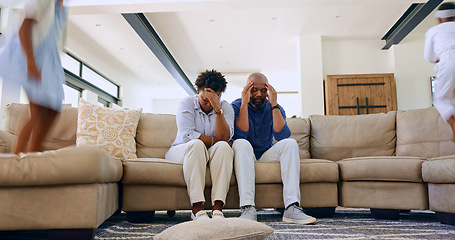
x=62, y=133
x=339, y=137
x=423, y=133
x=155, y=135
x=300, y=131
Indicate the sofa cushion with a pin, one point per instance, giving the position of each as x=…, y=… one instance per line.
x=393, y=169
x=157, y=171
x=340, y=137
x=423, y=133
x=71, y=165
x=163, y=172
x=311, y=170
x=439, y=170
x=62, y=133
x=155, y=135
x=113, y=130
x=300, y=131
x=222, y=229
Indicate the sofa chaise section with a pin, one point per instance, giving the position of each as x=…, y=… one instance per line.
x=71, y=188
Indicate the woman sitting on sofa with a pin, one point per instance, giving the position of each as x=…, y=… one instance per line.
x=205, y=125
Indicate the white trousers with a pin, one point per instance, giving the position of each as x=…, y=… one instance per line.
x=444, y=99
x=195, y=156
x=285, y=151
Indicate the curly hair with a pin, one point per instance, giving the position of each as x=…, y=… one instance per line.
x=211, y=79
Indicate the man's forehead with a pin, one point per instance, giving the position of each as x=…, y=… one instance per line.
x=259, y=84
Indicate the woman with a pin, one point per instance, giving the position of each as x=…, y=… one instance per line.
x=32, y=59
x=205, y=125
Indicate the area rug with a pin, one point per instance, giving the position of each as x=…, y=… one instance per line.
x=345, y=224
x=351, y=224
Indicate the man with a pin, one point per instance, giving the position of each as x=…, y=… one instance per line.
x=257, y=121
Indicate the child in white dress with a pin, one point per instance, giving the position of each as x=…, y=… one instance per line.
x=440, y=49
x=31, y=58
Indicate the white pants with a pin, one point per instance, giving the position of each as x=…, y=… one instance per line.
x=444, y=99
x=194, y=156
x=285, y=151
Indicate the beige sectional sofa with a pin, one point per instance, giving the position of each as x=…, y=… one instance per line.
x=387, y=162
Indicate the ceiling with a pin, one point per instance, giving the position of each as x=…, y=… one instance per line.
x=235, y=37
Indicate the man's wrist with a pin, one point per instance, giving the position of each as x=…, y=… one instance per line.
x=276, y=106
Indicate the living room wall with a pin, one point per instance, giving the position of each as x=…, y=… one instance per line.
x=362, y=56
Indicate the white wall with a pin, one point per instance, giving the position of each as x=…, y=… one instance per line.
x=356, y=57
x=310, y=50
x=412, y=74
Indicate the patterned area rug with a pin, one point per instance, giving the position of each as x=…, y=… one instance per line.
x=351, y=224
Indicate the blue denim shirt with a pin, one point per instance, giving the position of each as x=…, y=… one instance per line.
x=260, y=133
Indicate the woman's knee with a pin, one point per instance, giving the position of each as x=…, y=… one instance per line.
x=196, y=144
x=224, y=147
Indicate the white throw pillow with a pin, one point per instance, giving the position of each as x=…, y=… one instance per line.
x=228, y=228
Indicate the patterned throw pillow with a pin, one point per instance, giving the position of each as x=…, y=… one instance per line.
x=113, y=130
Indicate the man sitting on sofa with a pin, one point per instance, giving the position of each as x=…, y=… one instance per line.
x=257, y=122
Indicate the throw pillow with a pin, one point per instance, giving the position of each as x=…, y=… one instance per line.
x=113, y=130
x=228, y=228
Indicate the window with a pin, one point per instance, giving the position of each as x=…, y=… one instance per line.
x=432, y=82
x=71, y=64
x=80, y=77
x=99, y=81
x=72, y=95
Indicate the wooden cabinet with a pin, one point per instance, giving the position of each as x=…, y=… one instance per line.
x=360, y=94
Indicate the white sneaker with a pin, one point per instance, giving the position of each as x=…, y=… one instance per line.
x=217, y=214
x=295, y=214
x=201, y=215
x=249, y=212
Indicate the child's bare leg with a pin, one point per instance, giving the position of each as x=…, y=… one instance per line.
x=26, y=131
x=451, y=122
x=46, y=118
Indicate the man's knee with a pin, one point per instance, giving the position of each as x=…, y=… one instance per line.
x=290, y=143
x=242, y=145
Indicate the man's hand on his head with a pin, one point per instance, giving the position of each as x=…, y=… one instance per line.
x=272, y=94
x=246, y=93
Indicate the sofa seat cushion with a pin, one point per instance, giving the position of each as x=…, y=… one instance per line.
x=311, y=170
x=71, y=165
x=157, y=171
x=423, y=133
x=388, y=169
x=340, y=137
x=439, y=170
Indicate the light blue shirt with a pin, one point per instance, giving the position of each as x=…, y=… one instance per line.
x=192, y=121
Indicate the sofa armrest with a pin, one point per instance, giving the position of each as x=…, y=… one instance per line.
x=6, y=141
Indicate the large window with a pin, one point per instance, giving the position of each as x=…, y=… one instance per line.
x=80, y=76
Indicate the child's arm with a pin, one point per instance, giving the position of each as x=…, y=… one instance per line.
x=25, y=34
x=429, y=54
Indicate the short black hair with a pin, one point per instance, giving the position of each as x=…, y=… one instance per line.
x=211, y=79
x=447, y=5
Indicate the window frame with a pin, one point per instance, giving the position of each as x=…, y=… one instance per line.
x=76, y=81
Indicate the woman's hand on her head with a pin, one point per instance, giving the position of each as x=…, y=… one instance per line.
x=213, y=98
